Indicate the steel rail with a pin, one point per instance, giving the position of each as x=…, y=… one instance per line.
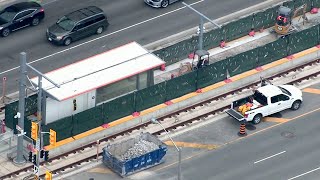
x=145, y=124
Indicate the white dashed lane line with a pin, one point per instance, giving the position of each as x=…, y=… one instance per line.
x=107, y=35
x=269, y=157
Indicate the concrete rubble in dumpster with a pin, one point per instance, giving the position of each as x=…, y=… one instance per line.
x=138, y=149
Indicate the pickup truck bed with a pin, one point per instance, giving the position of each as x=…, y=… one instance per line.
x=235, y=114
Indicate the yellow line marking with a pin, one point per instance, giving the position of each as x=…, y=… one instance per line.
x=275, y=63
x=305, y=52
x=193, y=145
x=273, y=119
x=184, y=97
x=311, y=90
x=192, y=156
x=100, y=170
x=214, y=86
x=244, y=75
x=121, y=121
x=88, y=133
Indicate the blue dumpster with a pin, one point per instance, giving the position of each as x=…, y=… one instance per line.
x=134, y=154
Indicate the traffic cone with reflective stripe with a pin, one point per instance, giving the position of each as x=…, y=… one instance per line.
x=242, y=131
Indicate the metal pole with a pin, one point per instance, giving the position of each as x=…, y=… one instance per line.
x=23, y=71
x=201, y=34
x=41, y=74
x=4, y=89
x=202, y=15
x=178, y=149
x=39, y=117
x=179, y=173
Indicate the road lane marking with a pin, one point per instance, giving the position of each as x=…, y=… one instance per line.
x=273, y=119
x=311, y=90
x=304, y=174
x=112, y=33
x=269, y=157
x=193, y=145
x=201, y=153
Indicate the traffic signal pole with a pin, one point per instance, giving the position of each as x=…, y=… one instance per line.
x=39, y=118
x=20, y=115
x=37, y=136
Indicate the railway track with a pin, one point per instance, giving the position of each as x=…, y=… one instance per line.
x=62, y=157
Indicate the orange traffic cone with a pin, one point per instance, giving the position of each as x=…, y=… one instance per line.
x=242, y=131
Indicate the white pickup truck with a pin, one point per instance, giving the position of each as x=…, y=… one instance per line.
x=266, y=100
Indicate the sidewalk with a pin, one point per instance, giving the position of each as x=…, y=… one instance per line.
x=235, y=47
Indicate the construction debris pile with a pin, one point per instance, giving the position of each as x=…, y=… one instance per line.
x=140, y=148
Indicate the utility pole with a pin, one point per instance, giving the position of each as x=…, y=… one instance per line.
x=201, y=24
x=37, y=126
x=20, y=115
x=39, y=118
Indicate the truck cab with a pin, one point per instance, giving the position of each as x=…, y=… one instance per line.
x=266, y=100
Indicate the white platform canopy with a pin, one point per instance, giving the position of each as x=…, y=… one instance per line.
x=99, y=70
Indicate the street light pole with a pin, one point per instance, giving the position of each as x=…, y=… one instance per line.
x=153, y=120
x=201, y=24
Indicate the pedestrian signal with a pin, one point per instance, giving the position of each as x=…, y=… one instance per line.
x=46, y=155
x=34, y=159
x=41, y=153
x=30, y=157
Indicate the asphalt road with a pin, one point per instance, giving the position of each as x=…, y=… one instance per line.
x=272, y=151
x=130, y=20
x=283, y=152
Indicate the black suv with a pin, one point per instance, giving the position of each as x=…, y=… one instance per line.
x=20, y=15
x=78, y=24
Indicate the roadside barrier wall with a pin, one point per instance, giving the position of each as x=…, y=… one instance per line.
x=168, y=90
x=228, y=32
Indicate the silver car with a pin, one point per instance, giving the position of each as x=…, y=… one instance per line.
x=159, y=3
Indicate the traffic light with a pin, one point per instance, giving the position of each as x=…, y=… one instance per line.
x=53, y=137
x=41, y=153
x=46, y=155
x=30, y=156
x=48, y=176
x=74, y=104
x=34, y=159
x=34, y=130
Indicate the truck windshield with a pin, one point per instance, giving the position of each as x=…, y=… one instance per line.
x=260, y=98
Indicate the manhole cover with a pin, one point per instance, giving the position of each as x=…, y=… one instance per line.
x=287, y=134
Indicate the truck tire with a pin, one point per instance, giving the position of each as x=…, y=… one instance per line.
x=257, y=119
x=296, y=105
